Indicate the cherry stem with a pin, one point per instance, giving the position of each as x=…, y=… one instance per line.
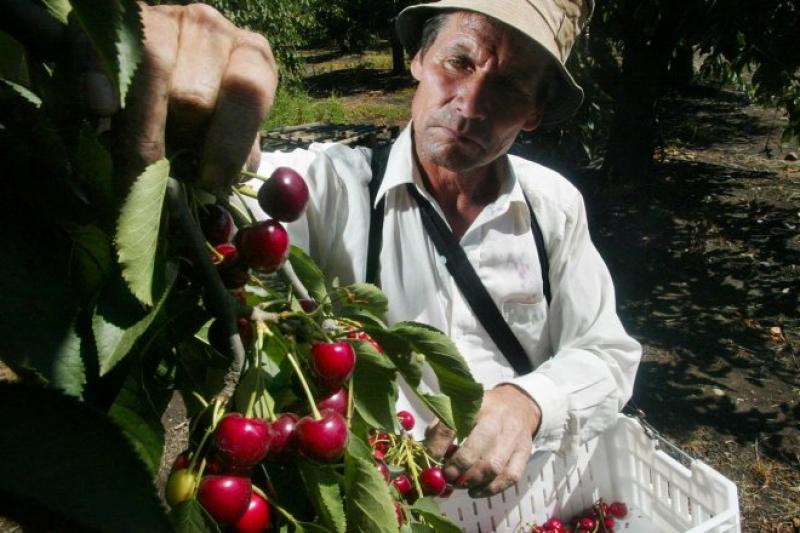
x=253, y=175
x=310, y=397
x=240, y=193
x=198, y=477
x=214, y=252
x=350, y=402
x=245, y=191
x=412, y=466
x=217, y=298
x=215, y=418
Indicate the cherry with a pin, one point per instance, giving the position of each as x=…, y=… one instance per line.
x=401, y=516
x=380, y=441
x=180, y=486
x=282, y=436
x=609, y=522
x=308, y=305
x=226, y=498
x=554, y=524
x=181, y=462
x=432, y=480
x=256, y=518
x=451, y=450
x=230, y=268
x=403, y=485
x=378, y=454
x=363, y=336
x=333, y=363
x=218, y=339
x=406, y=420
x=384, y=470
x=587, y=522
x=264, y=245
x=242, y=442
x=216, y=223
x=448, y=490
x=336, y=400
x=284, y=195
x=618, y=510
x=322, y=440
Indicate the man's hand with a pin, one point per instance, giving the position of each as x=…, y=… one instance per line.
x=497, y=450
x=203, y=85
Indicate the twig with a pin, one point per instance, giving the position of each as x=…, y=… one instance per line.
x=217, y=298
x=299, y=288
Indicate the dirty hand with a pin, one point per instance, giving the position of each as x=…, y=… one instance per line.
x=497, y=450
x=203, y=85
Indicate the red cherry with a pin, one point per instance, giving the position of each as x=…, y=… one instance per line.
x=284, y=195
x=333, y=363
x=587, y=522
x=432, y=480
x=401, y=516
x=322, y=440
x=256, y=518
x=216, y=223
x=226, y=498
x=181, y=462
x=336, y=400
x=451, y=450
x=555, y=524
x=264, y=245
x=384, y=470
x=618, y=510
x=282, y=436
x=406, y=420
x=378, y=454
x=307, y=305
x=380, y=441
x=609, y=522
x=242, y=442
x=230, y=267
x=403, y=485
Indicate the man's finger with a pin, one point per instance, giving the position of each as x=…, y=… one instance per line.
x=438, y=438
x=254, y=158
x=484, y=460
x=207, y=40
x=511, y=474
x=246, y=95
x=141, y=127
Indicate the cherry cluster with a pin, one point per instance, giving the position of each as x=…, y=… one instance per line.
x=599, y=518
x=263, y=245
x=221, y=476
x=406, y=465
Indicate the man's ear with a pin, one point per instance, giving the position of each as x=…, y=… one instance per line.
x=416, y=66
x=533, y=121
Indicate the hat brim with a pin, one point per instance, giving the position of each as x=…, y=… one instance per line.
x=567, y=95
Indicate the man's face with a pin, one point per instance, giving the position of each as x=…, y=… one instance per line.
x=477, y=91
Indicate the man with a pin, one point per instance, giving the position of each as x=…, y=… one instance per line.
x=487, y=69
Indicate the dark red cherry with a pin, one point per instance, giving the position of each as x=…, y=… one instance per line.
x=336, y=400
x=322, y=440
x=333, y=363
x=226, y=498
x=264, y=245
x=284, y=195
x=242, y=442
x=257, y=517
x=216, y=223
x=282, y=443
x=433, y=481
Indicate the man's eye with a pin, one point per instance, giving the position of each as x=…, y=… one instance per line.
x=457, y=63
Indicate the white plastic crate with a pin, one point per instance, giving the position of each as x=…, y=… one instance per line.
x=624, y=464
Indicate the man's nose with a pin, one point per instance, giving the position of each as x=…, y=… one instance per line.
x=474, y=97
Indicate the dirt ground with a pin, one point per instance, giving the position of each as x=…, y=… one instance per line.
x=706, y=259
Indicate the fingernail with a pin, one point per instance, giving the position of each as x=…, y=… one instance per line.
x=99, y=94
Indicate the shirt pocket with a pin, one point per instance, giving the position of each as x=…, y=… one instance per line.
x=527, y=322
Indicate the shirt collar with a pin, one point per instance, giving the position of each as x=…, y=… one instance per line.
x=400, y=170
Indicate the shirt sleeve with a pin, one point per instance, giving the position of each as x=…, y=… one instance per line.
x=588, y=380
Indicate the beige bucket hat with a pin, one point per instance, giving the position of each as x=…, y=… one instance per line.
x=552, y=24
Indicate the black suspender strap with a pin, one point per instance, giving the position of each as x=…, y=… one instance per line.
x=471, y=285
x=541, y=251
x=380, y=156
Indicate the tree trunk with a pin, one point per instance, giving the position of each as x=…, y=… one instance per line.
x=681, y=67
x=398, y=58
x=631, y=144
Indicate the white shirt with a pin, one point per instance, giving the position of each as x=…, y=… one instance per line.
x=584, y=361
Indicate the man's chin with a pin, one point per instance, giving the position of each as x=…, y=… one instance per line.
x=450, y=156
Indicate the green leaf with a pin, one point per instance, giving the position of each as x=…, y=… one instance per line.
x=375, y=387
x=452, y=372
x=119, y=319
x=399, y=351
x=369, y=505
x=252, y=380
x=59, y=9
x=200, y=369
x=92, y=259
x=94, y=169
x=309, y=273
x=440, y=405
x=190, y=517
x=429, y=510
x=362, y=296
x=116, y=33
x=39, y=308
x=12, y=59
x=138, y=230
x=137, y=410
x=73, y=460
x=322, y=486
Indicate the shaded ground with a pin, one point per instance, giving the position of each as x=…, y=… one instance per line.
x=706, y=257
